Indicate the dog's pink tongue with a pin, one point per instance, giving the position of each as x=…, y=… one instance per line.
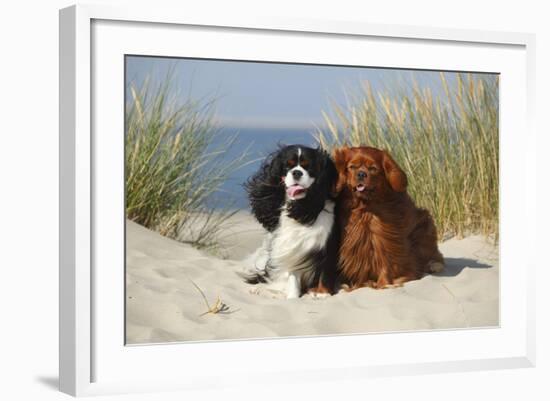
x=294, y=190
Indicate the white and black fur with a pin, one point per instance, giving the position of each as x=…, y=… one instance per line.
x=290, y=196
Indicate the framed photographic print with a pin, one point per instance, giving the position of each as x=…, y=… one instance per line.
x=290, y=199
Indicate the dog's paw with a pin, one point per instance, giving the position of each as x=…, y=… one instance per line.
x=394, y=285
x=318, y=295
x=267, y=292
x=435, y=267
x=344, y=288
x=255, y=291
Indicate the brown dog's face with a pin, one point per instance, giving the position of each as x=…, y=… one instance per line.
x=368, y=173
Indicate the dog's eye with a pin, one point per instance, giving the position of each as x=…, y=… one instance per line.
x=372, y=170
x=352, y=167
x=304, y=163
x=291, y=163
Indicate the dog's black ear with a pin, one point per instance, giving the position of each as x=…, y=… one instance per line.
x=265, y=191
x=276, y=169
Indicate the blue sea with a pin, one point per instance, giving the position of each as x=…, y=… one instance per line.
x=260, y=142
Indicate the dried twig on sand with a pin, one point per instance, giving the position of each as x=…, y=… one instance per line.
x=218, y=307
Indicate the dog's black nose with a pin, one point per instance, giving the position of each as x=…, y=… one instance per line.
x=361, y=175
x=297, y=174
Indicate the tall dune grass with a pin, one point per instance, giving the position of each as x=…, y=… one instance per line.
x=447, y=144
x=172, y=165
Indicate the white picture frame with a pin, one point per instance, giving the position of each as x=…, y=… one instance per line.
x=93, y=357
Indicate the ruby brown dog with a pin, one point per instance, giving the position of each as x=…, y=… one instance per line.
x=385, y=239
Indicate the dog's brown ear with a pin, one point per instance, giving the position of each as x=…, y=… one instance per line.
x=394, y=174
x=340, y=156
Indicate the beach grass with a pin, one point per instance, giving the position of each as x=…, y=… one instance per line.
x=174, y=163
x=447, y=143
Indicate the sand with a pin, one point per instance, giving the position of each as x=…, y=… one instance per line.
x=163, y=304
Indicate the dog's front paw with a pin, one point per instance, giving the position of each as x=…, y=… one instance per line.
x=435, y=267
x=318, y=295
x=344, y=288
x=293, y=286
x=267, y=292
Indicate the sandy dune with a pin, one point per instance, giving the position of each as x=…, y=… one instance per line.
x=163, y=305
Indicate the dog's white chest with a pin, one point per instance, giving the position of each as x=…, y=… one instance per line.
x=293, y=241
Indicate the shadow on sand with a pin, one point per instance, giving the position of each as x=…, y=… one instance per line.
x=453, y=266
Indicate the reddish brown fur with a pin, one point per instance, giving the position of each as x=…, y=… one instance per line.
x=386, y=240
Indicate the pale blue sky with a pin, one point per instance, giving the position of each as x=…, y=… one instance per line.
x=272, y=95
